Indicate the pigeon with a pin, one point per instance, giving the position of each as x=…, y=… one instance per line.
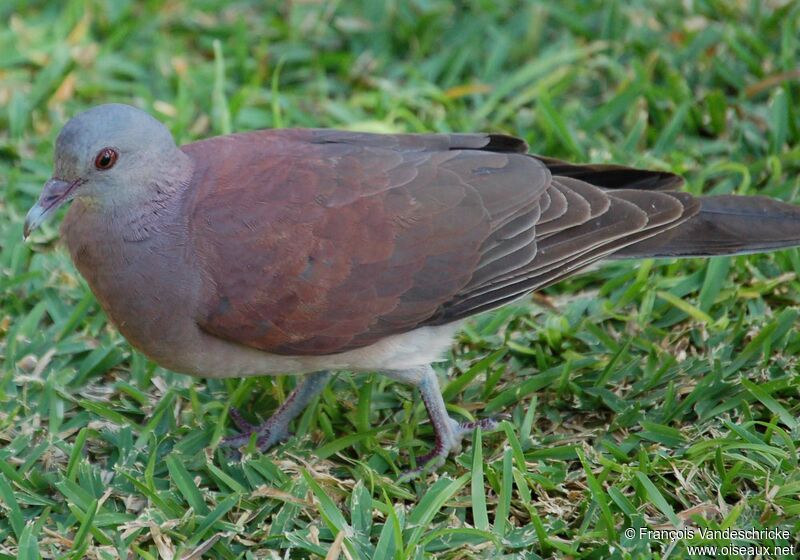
x=310, y=251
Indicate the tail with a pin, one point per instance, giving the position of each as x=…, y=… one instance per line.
x=725, y=225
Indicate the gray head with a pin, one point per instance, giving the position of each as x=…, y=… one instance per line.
x=109, y=155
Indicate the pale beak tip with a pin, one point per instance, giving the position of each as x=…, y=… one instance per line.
x=54, y=193
x=33, y=220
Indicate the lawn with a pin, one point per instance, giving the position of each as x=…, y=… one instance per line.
x=639, y=396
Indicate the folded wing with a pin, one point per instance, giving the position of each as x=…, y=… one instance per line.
x=333, y=240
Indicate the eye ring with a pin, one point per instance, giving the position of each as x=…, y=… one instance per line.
x=106, y=158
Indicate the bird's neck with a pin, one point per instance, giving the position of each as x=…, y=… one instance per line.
x=139, y=213
x=135, y=258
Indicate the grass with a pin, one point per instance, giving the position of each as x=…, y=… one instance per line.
x=642, y=395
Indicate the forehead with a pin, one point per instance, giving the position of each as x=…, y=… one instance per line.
x=74, y=138
x=119, y=126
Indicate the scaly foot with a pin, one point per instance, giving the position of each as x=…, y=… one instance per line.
x=448, y=441
x=276, y=429
x=271, y=432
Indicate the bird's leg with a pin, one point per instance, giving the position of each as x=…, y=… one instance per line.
x=448, y=432
x=276, y=428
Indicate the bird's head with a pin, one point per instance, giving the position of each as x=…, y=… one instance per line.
x=109, y=155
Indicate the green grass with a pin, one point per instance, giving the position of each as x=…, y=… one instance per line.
x=651, y=394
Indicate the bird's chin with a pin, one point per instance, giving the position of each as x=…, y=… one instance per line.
x=55, y=194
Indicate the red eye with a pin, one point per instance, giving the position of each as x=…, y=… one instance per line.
x=106, y=158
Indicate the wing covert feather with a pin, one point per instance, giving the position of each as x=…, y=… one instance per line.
x=333, y=240
x=316, y=242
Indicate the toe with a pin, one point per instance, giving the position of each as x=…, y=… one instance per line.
x=485, y=424
x=270, y=437
x=425, y=464
x=448, y=441
x=235, y=441
x=239, y=420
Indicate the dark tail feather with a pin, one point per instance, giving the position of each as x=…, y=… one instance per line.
x=725, y=225
x=611, y=176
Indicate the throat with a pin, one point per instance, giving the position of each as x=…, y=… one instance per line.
x=93, y=231
x=150, y=209
x=140, y=221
